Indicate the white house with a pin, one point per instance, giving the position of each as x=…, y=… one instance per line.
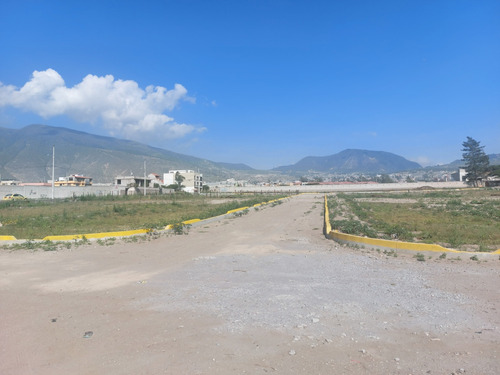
x=193, y=182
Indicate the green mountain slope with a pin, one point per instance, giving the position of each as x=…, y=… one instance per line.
x=351, y=160
x=26, y=155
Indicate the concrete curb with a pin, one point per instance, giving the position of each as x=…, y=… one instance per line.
x=377, y=243
x=88, y=236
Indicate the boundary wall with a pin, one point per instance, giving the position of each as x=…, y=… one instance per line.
x=45, y=192
x=127, y=233
x=296, y=189
x=377, y=243
x=60, y=192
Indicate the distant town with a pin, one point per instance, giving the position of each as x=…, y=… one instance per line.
x=190, y=181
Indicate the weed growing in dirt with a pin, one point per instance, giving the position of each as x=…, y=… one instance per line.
x=391, y=253
x=180, y=228
x=241, y=213
x=44, y=245
x=420, y=257
x=106, y=241
x=276, y=203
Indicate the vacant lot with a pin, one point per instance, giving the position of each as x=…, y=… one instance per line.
x=90, y=214
x=264, y=293
x=461, y=219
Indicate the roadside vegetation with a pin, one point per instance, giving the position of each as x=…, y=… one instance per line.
x=459, y=219
x=90, y=214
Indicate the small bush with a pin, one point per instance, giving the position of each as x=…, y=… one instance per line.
x=180, y=228
x=391, y=253
x=420, y=257
x=353, y=227
x=241, y=213
x=48, y=245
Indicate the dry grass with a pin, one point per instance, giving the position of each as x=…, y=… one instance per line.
x=37, y=219
x=465, y=219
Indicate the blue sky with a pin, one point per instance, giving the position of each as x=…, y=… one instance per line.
x=264, y=83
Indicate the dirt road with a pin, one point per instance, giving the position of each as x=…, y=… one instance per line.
x=262, y=293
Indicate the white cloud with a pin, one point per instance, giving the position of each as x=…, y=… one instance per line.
x=121, y=106
x=424, y=161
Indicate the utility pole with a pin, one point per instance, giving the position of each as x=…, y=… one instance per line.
x=53, y=168
x=145, y=178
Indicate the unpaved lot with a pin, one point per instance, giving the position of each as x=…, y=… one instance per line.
x=262, y=293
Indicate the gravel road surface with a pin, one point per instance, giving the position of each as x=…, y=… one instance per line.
x=257, y=294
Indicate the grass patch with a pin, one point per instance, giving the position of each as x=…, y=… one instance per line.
x=462, y=219
x=91, y=214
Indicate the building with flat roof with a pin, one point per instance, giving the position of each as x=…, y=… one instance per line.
x=193, y=181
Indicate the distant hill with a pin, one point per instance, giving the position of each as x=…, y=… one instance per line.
x=235, y=166
x=26, y=155
x=494, y=160
x=351, y=160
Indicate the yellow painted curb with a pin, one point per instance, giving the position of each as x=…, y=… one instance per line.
x=236, y=210
x=8, y=238
x=399, y=245
x=187, y=222
x=96, y=235
x=414, y=246
x=328, y=226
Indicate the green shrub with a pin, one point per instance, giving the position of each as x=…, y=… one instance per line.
x=420, y=257
x=353, y=227
x=180, y=228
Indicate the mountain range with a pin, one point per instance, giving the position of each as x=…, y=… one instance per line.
x=352, y=160
x=26, y=155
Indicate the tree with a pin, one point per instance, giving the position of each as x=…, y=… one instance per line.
x=179, y=179
x=384, y=179
x=494, y=170
x=476, y=161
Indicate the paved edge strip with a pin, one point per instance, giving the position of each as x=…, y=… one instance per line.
x=387, y=244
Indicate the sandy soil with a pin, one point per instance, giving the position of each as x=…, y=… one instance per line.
x=262, y=293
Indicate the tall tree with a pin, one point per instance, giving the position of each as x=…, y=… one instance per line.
x=179, y=179
x=476, y=161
